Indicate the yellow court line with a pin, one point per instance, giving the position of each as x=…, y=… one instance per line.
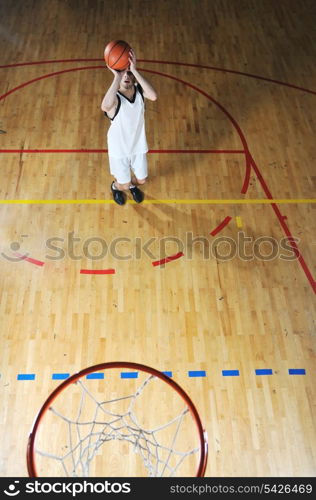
x=263, y=201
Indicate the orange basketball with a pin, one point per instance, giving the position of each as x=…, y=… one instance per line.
x=116, y=54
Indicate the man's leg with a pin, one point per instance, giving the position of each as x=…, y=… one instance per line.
x=120, y=169
x=122, y=187
x=140, y=181
x=139, y=169
x=136, y=181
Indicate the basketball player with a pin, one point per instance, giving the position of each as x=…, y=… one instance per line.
x=123, y=103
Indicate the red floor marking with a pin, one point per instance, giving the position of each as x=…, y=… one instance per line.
x=245, y=186
x=202, y=151
x=29, y=259
x=173, y=63
x=97, y=271
x=221, y=225
x=285, y=227
x=191, y=151
x=49, y=75
x=53, y=150
x=250, y=75
x=15, y=65
x=167, y=259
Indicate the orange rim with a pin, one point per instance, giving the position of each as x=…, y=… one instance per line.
x=30, y=455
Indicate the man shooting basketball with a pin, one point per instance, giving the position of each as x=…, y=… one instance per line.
x=123, y=103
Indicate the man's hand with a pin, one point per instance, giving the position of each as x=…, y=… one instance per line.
x=132, y=61
x=115, y=72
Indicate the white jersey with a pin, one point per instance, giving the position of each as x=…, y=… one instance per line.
x=126, y=135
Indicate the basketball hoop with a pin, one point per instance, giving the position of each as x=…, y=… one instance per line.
x=146, y=425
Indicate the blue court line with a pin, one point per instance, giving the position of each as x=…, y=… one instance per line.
x=60, y=376
x=97, y=375
x=297, y=371
x=191, y=373
x=230, y=373
x=26, y=376
x=129, y=374
x=264, y=371
x=197, y=373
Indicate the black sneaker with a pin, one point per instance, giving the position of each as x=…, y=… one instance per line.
x=137, y=194
x=118, y=196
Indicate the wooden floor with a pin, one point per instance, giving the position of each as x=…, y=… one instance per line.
x=231, y=140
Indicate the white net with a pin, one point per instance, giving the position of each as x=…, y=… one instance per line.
x=143, y=432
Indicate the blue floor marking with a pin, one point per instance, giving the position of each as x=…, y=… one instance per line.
x=297, y=371
x=60, y=376
x=191, y=373
x=26, y=376
x=96, y=375
x=129, y=374
x=264, y=371
x=230, y=373
x=197, y=373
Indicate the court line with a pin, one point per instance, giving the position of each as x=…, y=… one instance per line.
x=26, y=376
x=150, y=151
x=259, y=201
x=246, y=183
x=221, y=225
x=30, y=259
x=167, y=259
x=129, y=374
x=263, y=371
x=97, y=376
x=197, y=373
x=60, y=376
x=173, y=63
x=97, y=271
x=297, y=371
x=230, y=373
x=190, y=374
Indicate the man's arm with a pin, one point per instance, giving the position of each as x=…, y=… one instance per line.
x=109, y=102
x=148, y=91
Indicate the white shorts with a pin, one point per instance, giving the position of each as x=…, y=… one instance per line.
x=121, y=167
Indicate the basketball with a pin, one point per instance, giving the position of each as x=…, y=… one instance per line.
x=116, y=54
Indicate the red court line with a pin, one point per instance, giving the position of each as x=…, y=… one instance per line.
x=221, y=225
x=202, y=151
x=48, y=75
x=167, y=259
x=29, y=259
x=97, y=271
x=245, y=185
x=173, y=63
x=234, y=72
x=52, y=61
x=285, y=228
